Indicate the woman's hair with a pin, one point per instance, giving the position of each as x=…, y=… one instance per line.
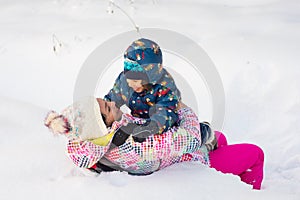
x=104, y=119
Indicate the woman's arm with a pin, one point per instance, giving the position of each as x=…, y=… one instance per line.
x=85, y=153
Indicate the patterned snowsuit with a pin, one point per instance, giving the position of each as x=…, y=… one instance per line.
x=158, y=102
x=178, y=144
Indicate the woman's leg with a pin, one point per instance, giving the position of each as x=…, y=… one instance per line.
x=244, y=160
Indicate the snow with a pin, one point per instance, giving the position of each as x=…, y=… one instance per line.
x=255, y=46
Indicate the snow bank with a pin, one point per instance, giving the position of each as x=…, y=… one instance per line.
x=254, y=45
x=34, y=165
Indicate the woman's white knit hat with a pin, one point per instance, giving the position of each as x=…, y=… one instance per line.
x=81, y=120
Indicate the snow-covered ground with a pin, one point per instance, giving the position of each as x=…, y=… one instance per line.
x=255, y=45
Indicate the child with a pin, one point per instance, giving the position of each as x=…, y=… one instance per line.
x=147, y=89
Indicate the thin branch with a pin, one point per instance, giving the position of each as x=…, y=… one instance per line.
x=56, y=42
x=130, y=18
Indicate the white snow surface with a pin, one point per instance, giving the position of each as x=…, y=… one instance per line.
x=255, y=45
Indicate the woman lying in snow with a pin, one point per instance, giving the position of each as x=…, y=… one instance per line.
x=107, y=145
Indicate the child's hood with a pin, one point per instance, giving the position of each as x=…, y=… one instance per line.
x=144, y=56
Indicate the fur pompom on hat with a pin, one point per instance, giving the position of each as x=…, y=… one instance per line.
x=57, y=123
x=81, y=120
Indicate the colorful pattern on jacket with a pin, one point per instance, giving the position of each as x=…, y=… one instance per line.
x=179, y=144
x=158, y=103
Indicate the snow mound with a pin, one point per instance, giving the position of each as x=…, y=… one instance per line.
x=34, y=165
